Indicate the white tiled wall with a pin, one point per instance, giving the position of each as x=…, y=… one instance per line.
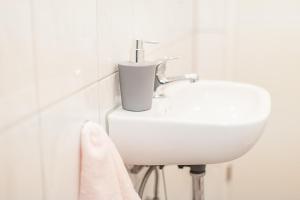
x=21, y=166
x=258, y=42
x=65, y=43
x=60, y=128
x=213, y=38
x=17, y=79
x=268, y=55
x=58, y=69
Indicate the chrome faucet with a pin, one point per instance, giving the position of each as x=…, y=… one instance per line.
x=161, y=79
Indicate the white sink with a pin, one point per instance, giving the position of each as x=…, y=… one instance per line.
x=195, y=123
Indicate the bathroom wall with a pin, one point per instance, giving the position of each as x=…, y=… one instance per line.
x=258, y=42
x=58, y=69
x=267, y=54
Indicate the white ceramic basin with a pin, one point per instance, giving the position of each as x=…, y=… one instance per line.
x=196, y=123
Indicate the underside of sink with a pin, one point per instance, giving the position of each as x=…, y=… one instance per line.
x=201, y=123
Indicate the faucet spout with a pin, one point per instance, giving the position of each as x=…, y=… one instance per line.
x=161, y=79
x=186, y=77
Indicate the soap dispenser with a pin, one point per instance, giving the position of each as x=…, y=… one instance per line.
x=137, y=80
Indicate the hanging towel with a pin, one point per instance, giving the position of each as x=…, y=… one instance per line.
x=103, y=174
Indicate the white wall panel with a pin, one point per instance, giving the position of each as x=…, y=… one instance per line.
x=17, y=78
x=21, y=167
x=61, y=125
x=66, y=46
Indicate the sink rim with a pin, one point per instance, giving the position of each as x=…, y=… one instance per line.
x=170, y=92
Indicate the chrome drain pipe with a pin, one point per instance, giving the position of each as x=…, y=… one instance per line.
x=197, y=173
x=198, y=186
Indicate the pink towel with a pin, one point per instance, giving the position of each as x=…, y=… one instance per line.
x=103, y=174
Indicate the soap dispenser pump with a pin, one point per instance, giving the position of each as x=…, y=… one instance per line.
x=138, y=51
x=137, y=80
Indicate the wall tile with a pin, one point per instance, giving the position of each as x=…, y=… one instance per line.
x=17, y=88
x=109, y=96
x=115, y=40
x=76, y=43
x=119, y=23
x=20, y=168
x=210, y=55
x=268, y=55
x=61, y=126
x=183, y=49
x=215, y=182
x=154, y=20
x=65, y=45
x=211, y=15
x=179, y=183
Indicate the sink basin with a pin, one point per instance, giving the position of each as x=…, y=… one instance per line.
x=195, y=123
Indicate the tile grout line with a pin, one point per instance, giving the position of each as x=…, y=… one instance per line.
x=98, y=58
x=194, y=36
x=41, y=109
x=38, y=102
x=171, y=43
x=76, y=91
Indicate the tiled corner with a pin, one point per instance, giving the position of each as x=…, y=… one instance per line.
x=20, y=168
x=17, y=85
x=115, y=40
x=109, y=96
x=61, y=125
x=65, y=46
